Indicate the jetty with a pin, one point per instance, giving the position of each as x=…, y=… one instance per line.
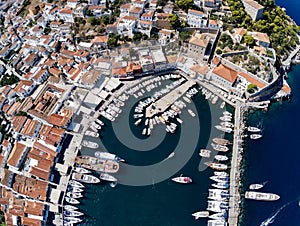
x=166, y=101
x=235, y=171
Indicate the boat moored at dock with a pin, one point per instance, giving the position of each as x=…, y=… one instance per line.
x=101, y=165
x=221, y=158
x=205, y=153
x=81, y=170
x=85, y=178
x=76, y=184
x=257, y=186
x=73, y=213
x=219, y=147
x=261, y=196
x=107, y=177
x=108, y=156
x=255, y=136
x=217, y=166
x=200, y=214
x=71, y=200
x=221, y=141
x=253, y=129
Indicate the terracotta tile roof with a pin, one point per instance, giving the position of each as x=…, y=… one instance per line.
x=55, y=71
x=49, y=62
x=286, y=89
x=18, y=122
x=195, y=12
x=216, y=60
x=202, y=70
x=100, y=39
x=119, y=71
x=201, y=40
x=145, y=22
x=135, y=10
x=226, y=73
x=149, y=14
x=30, y=221
x=253, y=80
x=240, y=31
x=125, y=6
x=254, y=4
x=263, y=37
x=51, y=135
x=66, y=11
x=16, y=154
x=128, y=18
x=23, y=83
x=30, y=127
x=15, y=107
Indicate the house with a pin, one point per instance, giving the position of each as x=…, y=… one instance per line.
x=125, y=10
x=24, y=88
x=162, y=21
x=135, y=12
x=238, y=34
x=159, y=59
x=146, y=60
x=145, y=27
x=99, y=42
x=80, y=11
x=213, y=24
x=212, y=3
x=147, y=16
x=254, y=9
x=139, y=3
x=16, y=157
x=72, y=3
x=164, y=36
x=262, y=39
x=40, y=76
x=198, y=71
x=66, y=15
x=126, y=26
x=224, y=77
x=198, y=45
x=197, y=18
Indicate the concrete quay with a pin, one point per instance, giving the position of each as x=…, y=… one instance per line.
x=235, y=171
x=166, y=101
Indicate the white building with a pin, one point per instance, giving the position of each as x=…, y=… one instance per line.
x=126, y=26
x=197, y=18
x=224, y=77
x=73, y=3
x=66, y=15
x=254, y=9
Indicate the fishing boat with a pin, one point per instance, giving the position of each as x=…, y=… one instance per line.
x=108, y=156
x=91, y=133
x=191, y=113
x=76, y=184
x=261, y=196
x=75, y=195
x=70, y=221
x=216, y=166
x=221, y=141
x=182, y=180
x=253, y=129
x=73, y=213
x=71, y=200
x=219, y=147
x=223, y=129
x=221, y=158
x=70, y=208
x=257, y=186
x=89, y=144
x=94, y=163
x=107, y=177
x=200, y=214
x=255, y=136
x=205, y=153
x=85, y=178
x=81, y=170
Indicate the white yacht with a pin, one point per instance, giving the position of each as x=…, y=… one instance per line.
x=200, y=214
x=85, y=178
x=75, y=195
x=255, y=136
x=222, y=185
x=71, y=200
x=78, y=169
x=261, y=196
x=73, y=213
x=217, y=223
x=70, y=221
x=108, y=156
x=217, y=166
x=182, y=180
x=205, y=153
x=257, y=186
x=253, y=129
x=107, y=177
x=219, y=147
x=191, y=113
x=224, y=129
x=76, y=184
x=221, y=158
x=138, y=122
x=70, y=208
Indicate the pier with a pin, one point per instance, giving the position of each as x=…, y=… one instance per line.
x=166, y=101
x=235, y=171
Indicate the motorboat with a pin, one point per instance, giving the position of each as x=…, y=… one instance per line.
x=221, y=141
x=227, y=124
x=219, y=216
x=74, y=189
x=219, y=179
x=227, y=113
x=73, y=213
x=108, y=156
x=81, y=170
x=200, y=214
x=191, y=113
x=89, y=144
x=253, y=129
x=219, y=147
x=261, y=196
x=221, y=174
x=138, y=122
x=91, y=133
x=257, y=186
x=221, y=158
x=107, y=177
x=217, y=166
x=71, y=200
x=70, y=208
x=75, y=195
x=179, y=120
x=255, y=136
x=219, y=222
x=85, y=178
x=205, y=153
x=182, y=180
x=226, y=118
x=222, y=104
x=76, y=184
x=224, y=129
x=221, y=185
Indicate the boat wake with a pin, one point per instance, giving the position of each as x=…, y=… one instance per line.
x=271, y=219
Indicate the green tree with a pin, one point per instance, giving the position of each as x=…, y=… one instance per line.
x=248, y=40
x=251, y=88
x=184, y=35
x=174, y=20
x=137, y=36
x=184, y=4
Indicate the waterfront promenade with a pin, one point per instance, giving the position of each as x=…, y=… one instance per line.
x=166, y=101
x=235, y=172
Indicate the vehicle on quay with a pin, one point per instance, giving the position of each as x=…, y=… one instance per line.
x=182, y=180
x=261, y=196
x=200, y=214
